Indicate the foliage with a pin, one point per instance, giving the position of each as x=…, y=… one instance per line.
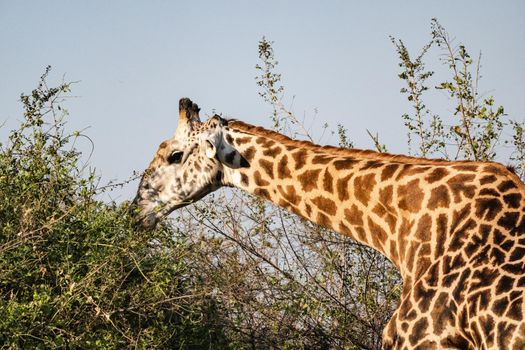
x=272, y=91
x=75, y=271
x=268, y=80
x=231, y=271
x=415, y=76
x=477, y=129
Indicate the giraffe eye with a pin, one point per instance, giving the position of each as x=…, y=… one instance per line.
x=175, y=157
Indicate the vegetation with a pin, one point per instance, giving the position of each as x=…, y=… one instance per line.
x=477, y=130
x=75, y=272
x=231, y=271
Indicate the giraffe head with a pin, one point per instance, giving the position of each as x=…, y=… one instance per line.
x=186, y=167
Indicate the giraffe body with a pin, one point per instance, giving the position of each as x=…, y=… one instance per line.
x=455, y=230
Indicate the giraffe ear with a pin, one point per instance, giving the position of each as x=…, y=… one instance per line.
x=230, y=157
x=215, y=146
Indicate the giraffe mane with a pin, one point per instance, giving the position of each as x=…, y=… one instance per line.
x=275, y=136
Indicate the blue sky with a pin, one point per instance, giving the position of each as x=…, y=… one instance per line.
x=135, y=59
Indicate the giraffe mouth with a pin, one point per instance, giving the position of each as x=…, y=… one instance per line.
x=147, y=222
x=145, y=214
x=148, y=216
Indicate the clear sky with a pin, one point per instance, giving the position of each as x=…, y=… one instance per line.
x=135, y=59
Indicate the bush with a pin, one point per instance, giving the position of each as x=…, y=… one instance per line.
x=75, y=271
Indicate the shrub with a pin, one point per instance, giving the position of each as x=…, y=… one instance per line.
x=75, y=272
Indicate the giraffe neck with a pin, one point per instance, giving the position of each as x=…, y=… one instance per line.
x=320, y=184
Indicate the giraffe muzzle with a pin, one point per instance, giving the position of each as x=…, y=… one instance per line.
x=143, y=219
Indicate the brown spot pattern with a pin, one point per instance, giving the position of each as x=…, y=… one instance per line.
x=354, y=216
x=389, y=171
x=289, y=194
x=345, y=229
x=249, y=153
x=410, y=196
x=242, y=140
x=265, y=142
x=506, y=185
x=363, y=186
x=439, y=198
x=436, y=175
x=244, y=179
x=321, y=159
x=308, y=209
x=342, y=188
x=328, y=181
x=419, y=331
x=441, y=235
x=488, y=179
x=345, y=164
x=325, y=204
x=299, y=158
x=379, y=235
x=262, y=192
x=424, y=226
x=308, y=179
x=513, y=200
x=372, y=164
x=272, y=152
x=462, y=184
x=283, y=171
x=384, y=208
x=259, y=181
x=267, y=166
x=488, y=208
x=324, y=220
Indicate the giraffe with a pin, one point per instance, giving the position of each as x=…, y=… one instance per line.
x=455, y=230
